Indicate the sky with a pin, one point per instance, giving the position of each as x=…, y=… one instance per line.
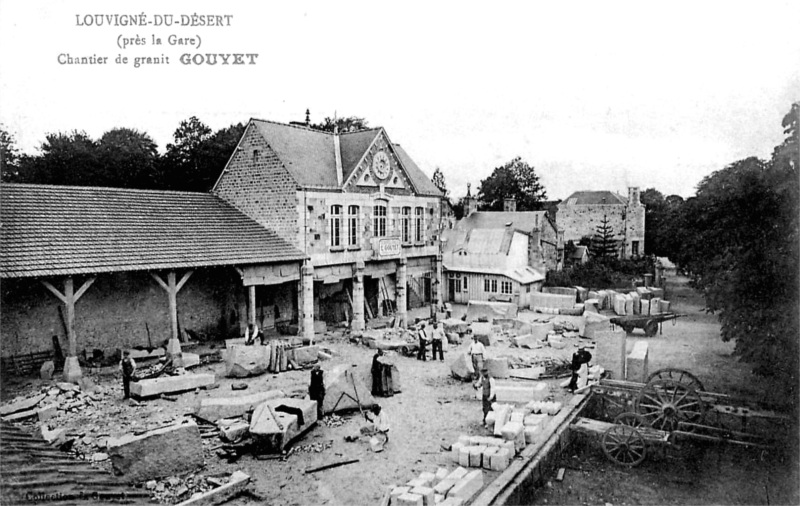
x=594, y=95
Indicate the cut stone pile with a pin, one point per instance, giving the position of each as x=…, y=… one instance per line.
x=442, y=488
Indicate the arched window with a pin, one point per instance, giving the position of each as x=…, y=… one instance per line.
x=406, y=224
x=379, y=221
x=352, y=226
x=336, y=226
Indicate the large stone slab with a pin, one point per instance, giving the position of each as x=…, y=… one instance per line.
x=498, y=367
x=461, y=367
x=561, y=290
x=243, y=361
x=305, y=354
x=163, y=452
x=484, y=331
x=610, y=351
x=170, y=384
x=490, y=310
x=594, y=323
x=467, y=486
x=521, y=393
x=272, y=428
x=21, y=405
x=636, y=363
x=216, y=408
x=142, y=355
x=455, y=325
x=551, y=300
x=345, y=389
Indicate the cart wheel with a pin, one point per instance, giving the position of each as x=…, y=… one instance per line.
x=664, y=403
x=651, y=328
x=405, y=351
x=624, y=445
x=628, y=329
x=634, y=420
x=678, y=375
x=614, y=404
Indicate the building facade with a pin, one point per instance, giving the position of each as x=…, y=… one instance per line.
x=367, y=218
x=580, y=215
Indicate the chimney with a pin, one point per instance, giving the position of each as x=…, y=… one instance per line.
x=308, y=118
x=470, y=203
x=633, y=196
x=510, y=205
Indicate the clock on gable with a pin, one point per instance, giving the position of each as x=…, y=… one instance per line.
x=380, y=165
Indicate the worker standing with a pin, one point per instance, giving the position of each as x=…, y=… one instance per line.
x=437, y=342
x=488, y=394
x=316, y=389
x=476, y=352
x=423, y=342
x=128, y=367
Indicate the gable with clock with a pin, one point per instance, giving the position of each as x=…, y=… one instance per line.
x=380, y=167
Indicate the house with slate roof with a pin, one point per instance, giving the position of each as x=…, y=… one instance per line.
x=111, y=268
x=499, y=256
x=359, y=208
x=580, y=214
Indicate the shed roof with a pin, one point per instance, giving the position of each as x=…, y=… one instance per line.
x=525, y=221
x=524, y=275
x=64, y=230
x=581, y=198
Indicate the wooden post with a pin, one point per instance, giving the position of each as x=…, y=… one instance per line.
x=172, y=288
x=72, y=369
x=251, y=310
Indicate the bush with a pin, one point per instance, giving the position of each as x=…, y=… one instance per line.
x=602, y=273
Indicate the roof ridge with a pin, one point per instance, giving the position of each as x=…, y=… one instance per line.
x=360, y=131
x=309, y=129
x=113, y=188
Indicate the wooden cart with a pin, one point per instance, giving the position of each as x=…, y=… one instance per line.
x=649, y=323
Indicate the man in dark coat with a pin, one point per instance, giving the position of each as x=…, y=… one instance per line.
x=579, y=358
x=316, y=389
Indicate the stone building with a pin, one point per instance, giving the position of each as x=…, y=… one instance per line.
x=580, y=215
x=366, y=217
x=111, y=268
x=499, y=256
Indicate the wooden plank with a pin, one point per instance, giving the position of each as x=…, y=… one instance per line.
x=55, y=291
x=330, y=466
x=85, y=286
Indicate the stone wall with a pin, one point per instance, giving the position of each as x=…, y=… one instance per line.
x=117, y=311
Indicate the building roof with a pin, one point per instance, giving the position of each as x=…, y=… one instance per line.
x=64, y=230
x=524, y=275
x=583, y=198
x=310, y=156
x=525, y=221
x=580, y=252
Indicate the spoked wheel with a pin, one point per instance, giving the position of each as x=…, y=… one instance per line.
x=634, y=420
x=664, y=403
x=614, y=405
x=624, y=445
x=651, y=328
x=678, y=375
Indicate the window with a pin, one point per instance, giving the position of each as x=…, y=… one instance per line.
x=635, y=248
x=406, y=224
x=486, y=285
x=490, y=285
x=336, y=226
x=352, y=226
x=379, y=221
x=419, y=226
x=505, y=287
x=494, y=285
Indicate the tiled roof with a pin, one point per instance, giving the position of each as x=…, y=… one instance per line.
x=309, y=155
x=60, y=230
x=353, y=146
x=422, y=183
x=583, y=198
x=525, y=221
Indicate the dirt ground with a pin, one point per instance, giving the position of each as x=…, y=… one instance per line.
x=434, y=409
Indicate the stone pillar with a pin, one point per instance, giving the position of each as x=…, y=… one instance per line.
x=437, y=288
x=358, y=298
x=72, y=369
x=174, y=345
x=251, y=308
x=308, y=302
x=400, y=293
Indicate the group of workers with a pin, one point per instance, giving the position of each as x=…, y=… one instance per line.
x=435, y=336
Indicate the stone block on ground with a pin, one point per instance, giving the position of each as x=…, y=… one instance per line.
x=46, y=371
x=426, y=493
x=235, y=431
x=455, y=325
x=610, y=351
x=277, y=422
x=628, y=304
x=444, y=486
x=461, y=367
x=561, y=290
x=520, y=393
x=162, y=452
x=502, y=414
x=305, y=354
x=500, y=460
x=398, y=491
x=594, y=323
x=475, y=455
x=47, y=412
x=658, y=293
x=244, y=361
x=408, y=499
x=320, y=327
x=170, y=384
x=452, y=501
x=530, y=373
x=490, y=310
x=467, y=486
x=427, y=478
x=215, y=408
x=591, y=306
x=463, y=456
x=487, y=455
x=18, y=405
x=531, y=433
x=637, y=361
x=498, y=367
x=236, y=485
x=341, y=383
x=441, y=474
x=484, y=332
x=142, y=355
x=619, y=304
x=541, y=300
x=637, y=302
x=663, y=306
x=455, y=452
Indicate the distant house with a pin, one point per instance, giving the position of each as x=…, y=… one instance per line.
x=580, y=255
x=499, y=256
x=580, y=215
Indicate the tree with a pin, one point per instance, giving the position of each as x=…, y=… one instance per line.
x=196, y=158
x=65, y=159
x=514, y=179
x=9, y=157
x=603, y=245
x=438, y=181
x=129, y=159
x=739, y=240
x=349, y=124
